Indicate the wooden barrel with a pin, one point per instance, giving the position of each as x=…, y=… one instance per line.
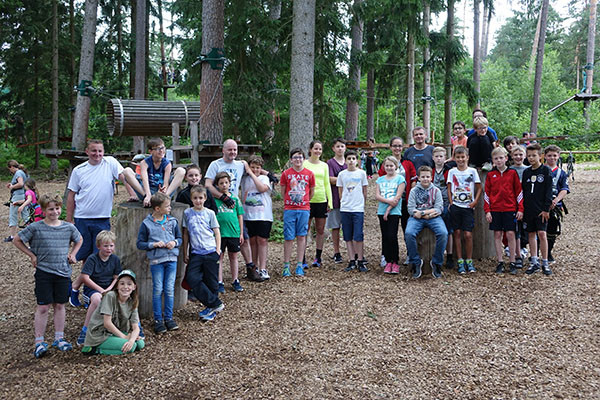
x=126, y=225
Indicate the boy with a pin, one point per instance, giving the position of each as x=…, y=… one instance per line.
x=193, y=177
x=258, y=214
x=537, y=199
x=352, y=208
x=155, y=174
x=49, y=241
x=159, y=235
x=509, y=143
x=231, y=222
x=425, y=206
x=503, y=206
x=518, y=155
x=334, y=219
x=201, y=253
x=298, y=185
x=462, y=182
x=440, y=175
x=99, y=275
x=560, y=188
x=481, y=145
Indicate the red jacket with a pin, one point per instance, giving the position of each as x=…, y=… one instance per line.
x=503, y=192
x=411, y=175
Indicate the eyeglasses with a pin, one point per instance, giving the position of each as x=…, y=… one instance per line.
x=297, y=158
x=161, y=148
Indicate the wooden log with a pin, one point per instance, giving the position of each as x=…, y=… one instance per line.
x=426, y=246
x=483, y=238
x=126, y=225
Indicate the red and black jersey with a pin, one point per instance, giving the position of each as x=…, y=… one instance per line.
x=503, y=192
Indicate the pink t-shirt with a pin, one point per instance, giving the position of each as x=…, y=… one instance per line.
x=297, y=187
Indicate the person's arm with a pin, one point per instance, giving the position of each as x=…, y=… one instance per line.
x=217, y=232
x=27, y=201
x=340, y=191
x=379, y=197
x=145, y=182
x=185, y=246
x=477, y=195
x=18, y=185
x=21, y=246
x=364, y=188
x=109, y=326
x=213, y=190
x=260, y=186
x=74, y=250
x=449, y=186
x=70, y=206
x=328, y=192
x=166, y=177
x=143, y=242
x=112, y=284
x=411, y=205
x=91, y=284
x=487, y=191
x=311, y=193
x=241, y=222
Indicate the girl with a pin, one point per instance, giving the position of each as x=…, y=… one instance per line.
x=114, y=326
x=322, y=200
x=17, y=195
x=34, y=211
x=193, y=176
x=388, y=192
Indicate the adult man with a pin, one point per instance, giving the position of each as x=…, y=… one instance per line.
x=421, y=153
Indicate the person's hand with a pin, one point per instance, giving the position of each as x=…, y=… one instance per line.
x=393, y=202
x=385, y=215
x=147, y=200
x=8, y=185
x=545, y=216
x=162, y=189
x=127, y=346
x=170, y=245
x=186, y=259
x=418, y=214
x=242, y=239
x=246, y=167
x=554, y=202
x=488, y=217
x=158, y=244
x=472, y=204
x=33, y=260
x=71, y=258
x=20, y=209
x=227, y=200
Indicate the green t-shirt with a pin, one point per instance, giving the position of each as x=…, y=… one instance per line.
x=123, y=317
x=228, y=218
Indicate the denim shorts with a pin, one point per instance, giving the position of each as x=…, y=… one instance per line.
x=334, y=219
x=352, y=225
x=295, y=223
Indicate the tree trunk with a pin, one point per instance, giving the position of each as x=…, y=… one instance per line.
x=410, y=84
x=476, y=50
x=354, y=73
x=589, y=67
x=54, y=139
x=274, y=15
x=140, y=63
x=537, y=85
x=147, y=50
x=448, y=76
x=536, y=40
x=86, y=72
x=163, y=60
x=484, y=26
x=426, y=71
x=371, y=104
x=302, y=74
x=211, y=86
x=119, y=46
x=132, y=49
x=73, y=65
x=486, y=33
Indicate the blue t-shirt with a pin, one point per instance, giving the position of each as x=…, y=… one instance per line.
x=419, y=157
x=388, y=188
x=156, y=176
x=101, y=272
x=200, y=225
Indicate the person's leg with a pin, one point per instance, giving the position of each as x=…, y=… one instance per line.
x=221, y=258
x=287, y=251
x=358, y=220
x=247, y=252
x=169, y=288
x=132, y=195
x=233, y=264
x=131, y=179
x=289, y=234
x=253, y=242
x=40, y=321
x=77, y=283
x=543, y=244
x=468, y=244
x=202, y=276
x=59, y=320
x=320, y=228
x=175, y=183
x=383, y=228
x=158, y=276
x=510, y=236
x=262, y=251
x=457, y=243
x=533, y=245
x=393, y=223
x=13, y=219
x=87, y=247
x=498, y=245
x=335, y=239
x=350, y=249
x=441, y=238
x=94, y=303
x=301, y=248
x=113, y=346
x=413, y=228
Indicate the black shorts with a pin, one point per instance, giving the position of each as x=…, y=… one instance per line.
x=318, y=210
x=533, y=223
x=504, y=221
x=462, y=218
x=259, y=228
x=231, y=244
x=51, y=288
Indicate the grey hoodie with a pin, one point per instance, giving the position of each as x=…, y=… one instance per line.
x=152, y=231
x=424, y=199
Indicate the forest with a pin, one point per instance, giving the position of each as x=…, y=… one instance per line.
x=379, y=68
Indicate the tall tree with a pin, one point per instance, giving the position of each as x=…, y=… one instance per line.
x=476, y=50
x=274, y=15
x=448, y=74
x=589, y=66
x=537, y=83
x=410, y=83
x=354, y=72
x=488, y=11
x=426, y=70
x=140, y=63
x=370, y=84
x=302, y=74
x=55, y=127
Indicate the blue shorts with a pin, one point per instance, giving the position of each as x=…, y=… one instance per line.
x=352, y=226
x=153, y=189
x=295, y=223
x=89, y=229
x=87, y=294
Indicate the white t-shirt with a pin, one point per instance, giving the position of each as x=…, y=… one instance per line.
x=94, y=187
x=200, y=225
x=235, y=169
x=257, y=206
x=463, y=186
x=352, y=183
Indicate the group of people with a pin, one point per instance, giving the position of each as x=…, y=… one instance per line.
x=233, y=212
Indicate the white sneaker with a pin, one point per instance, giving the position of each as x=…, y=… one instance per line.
x=507, y=251
x=486, y=167
x=524, y=254
x=264, y=274
x=383, y=263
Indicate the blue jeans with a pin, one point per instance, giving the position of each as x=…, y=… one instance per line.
x=202, y=276
x=163, y=281
x=414, y=227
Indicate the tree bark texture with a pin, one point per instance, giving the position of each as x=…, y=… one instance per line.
x=371, y=104
x=476, y=49
x=274, y=15
x=73, y=65
x=410, y=85
x=537, y=84
x=211, y=86
x=448, y=75
x=354, y=73
x=86, y=72
x=589, y=68
x=484, y=26
x=302, y=74
x=536, y=39
x=54, y=138
x=485, y=37
x=140, y=63
x=426, y=71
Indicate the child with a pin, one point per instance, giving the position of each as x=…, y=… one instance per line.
x=17, y=196
x=537, y=200
x=518, y=155
x=388, y=192
x=193, y=176
x=481, y=145
x=503, y=206
x=462, y=182
x=99, y=274
x=231, y=221
x=352, y=207
x=459, y=139
x=114, y=326
x=201, y=253
x=49, y=242
x=258, y=212
x=425, y=206
x=440, y=175
x=298, y=186
x=159, y=235
x=509, y=143
x=334, y=219
x=155, y=174
x=560, y=188
x=34, y=212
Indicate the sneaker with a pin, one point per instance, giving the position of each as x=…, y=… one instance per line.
x=265, y=274
x=487, y=166
x=304, y=265
x=461, y=267
x=171, y=325
x=470, y=267
x=513, y=268
x=500, y=268
x=507, y=251
x=337, y=258
x=533, y=268
x=317, y=263
x=416, y=268
x=202, y=314
x=395, y=269
x=351, y=266
x=449, y=263
x=519, y=263
x=81, y=337
x=62, y=345
x=365, y=261
x=209, y=317
x=524, y=253
x=74, y=298
x=546, y=270
x=388, y=268
x=300, y=270
x=221, y=288
x=141, y=335
x=159, y=327
x=8, y=239
x=436, y=270
x=551, y=260
x=362, y=267
x=286, y=271
x=405, y=261
x=237, y=287
x=40, y=349
x=384, y=263
x=252, y=274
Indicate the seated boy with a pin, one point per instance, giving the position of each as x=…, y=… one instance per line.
x=481, y=145
x=425, y=206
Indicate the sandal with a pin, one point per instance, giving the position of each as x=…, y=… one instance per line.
x=62, y=344
x=40, y=349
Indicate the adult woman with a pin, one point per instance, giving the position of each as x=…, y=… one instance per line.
x=17, y=195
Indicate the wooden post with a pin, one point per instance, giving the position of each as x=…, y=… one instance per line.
x=175, y=134
x=426, y=246
x=483, y=238
x=126, y=225
x=194, y=141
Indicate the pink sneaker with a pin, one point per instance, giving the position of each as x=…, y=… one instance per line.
x=395, y=268
x=388, y=268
